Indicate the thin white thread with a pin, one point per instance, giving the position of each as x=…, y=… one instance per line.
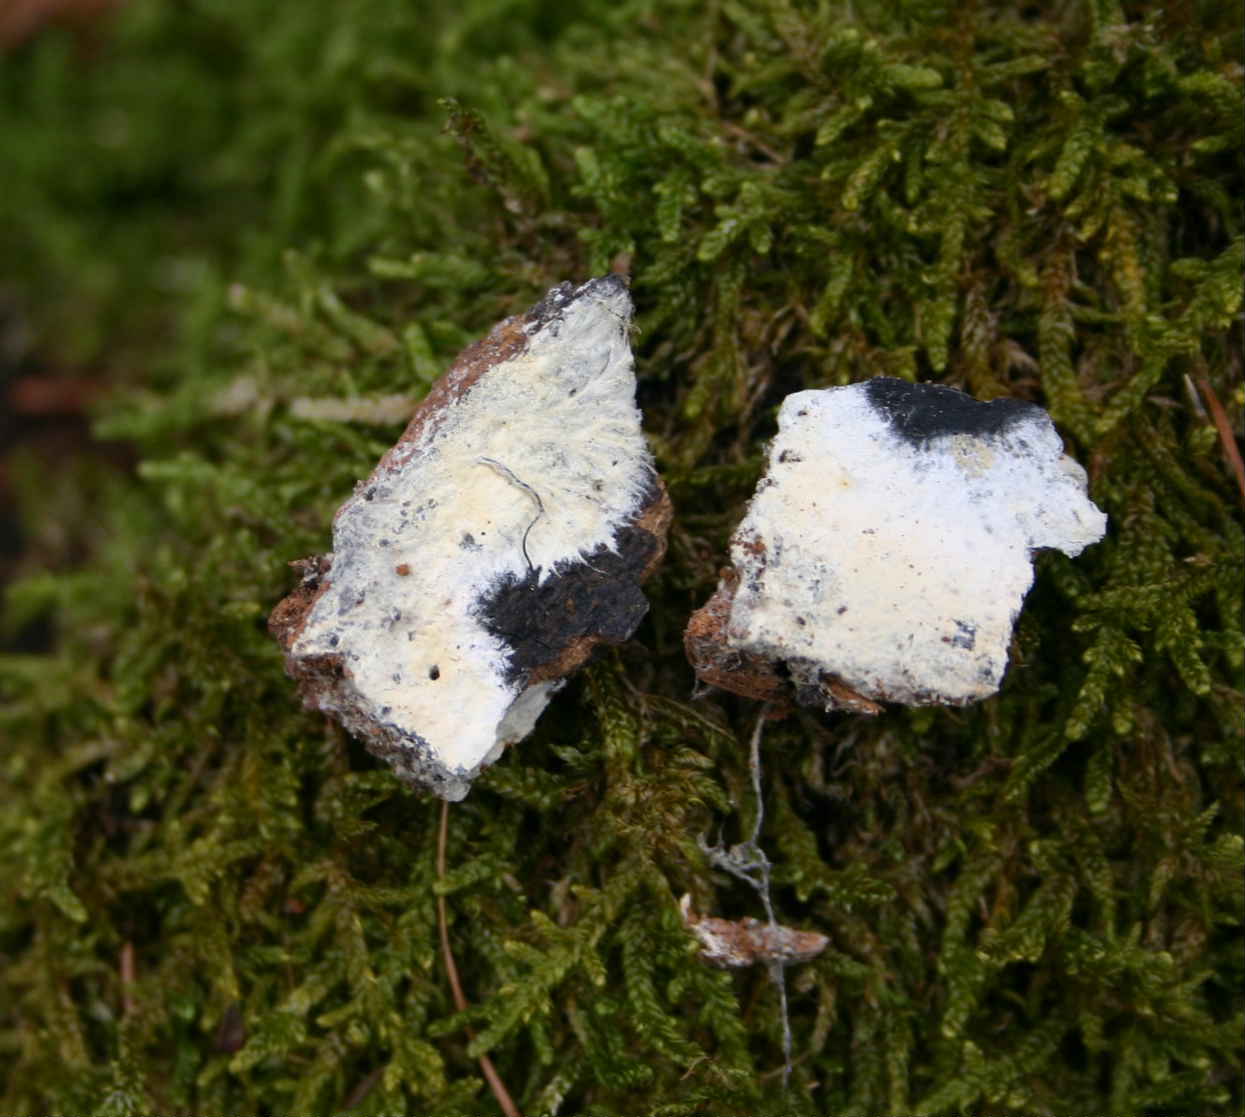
x=748, y=862
x=506, y=472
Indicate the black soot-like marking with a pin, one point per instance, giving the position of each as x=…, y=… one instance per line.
x=965, y=636
x=600, y=597
x=920, y=412
x=548, y=313
x=551, y=308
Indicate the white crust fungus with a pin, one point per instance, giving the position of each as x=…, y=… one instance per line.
x=887, y=551
x=500, y=539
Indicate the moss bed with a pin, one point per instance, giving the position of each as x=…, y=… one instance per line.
x=213, y=902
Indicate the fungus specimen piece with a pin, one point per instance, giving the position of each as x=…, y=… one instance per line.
x=887, y=551
x=735, y=943
x=492, y=548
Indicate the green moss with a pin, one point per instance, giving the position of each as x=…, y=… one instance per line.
x=215, y=902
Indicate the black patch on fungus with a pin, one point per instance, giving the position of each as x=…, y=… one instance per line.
x=600, y=597
x=965, y=636
x=434, y=672
x=803, y=676
x=807, y=694
x=548, y=313
x=921, y=412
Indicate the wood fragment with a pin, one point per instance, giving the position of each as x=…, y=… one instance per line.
x=735, y=943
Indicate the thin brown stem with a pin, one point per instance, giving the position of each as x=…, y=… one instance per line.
x=451, y=970
x=364, y=1088
x=755, y=141
x=128, y=977
x=1226, y=437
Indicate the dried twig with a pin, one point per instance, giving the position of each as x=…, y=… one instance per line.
x=364, y=1088
x=755, y=141
x=128, y=977
x=1226, y=437
x=24, y=19
x=451, y=970
x=50, y=396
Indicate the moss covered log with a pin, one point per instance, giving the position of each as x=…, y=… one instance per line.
x=263, y=230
